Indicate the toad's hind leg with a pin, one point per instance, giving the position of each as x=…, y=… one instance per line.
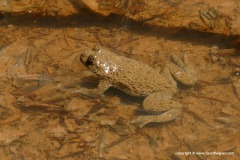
x=182, y=71
x=163, y=108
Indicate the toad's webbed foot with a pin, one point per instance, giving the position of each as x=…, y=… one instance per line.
x=182, y=71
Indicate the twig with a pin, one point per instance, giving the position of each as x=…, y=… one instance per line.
x=66, y=40
x=101, y=145
x=10, y=119
x=40, y=104
x=116, y=142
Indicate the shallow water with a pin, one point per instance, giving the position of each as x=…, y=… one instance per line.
x=41, y=117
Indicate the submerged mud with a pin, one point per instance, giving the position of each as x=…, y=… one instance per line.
x=41, y=117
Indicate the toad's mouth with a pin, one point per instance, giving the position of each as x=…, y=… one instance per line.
x=83, y=58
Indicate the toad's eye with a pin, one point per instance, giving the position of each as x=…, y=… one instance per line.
x=89, y=60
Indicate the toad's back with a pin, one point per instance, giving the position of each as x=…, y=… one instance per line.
x=131, y=76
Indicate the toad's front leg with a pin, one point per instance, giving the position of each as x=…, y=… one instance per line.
x=96, y=92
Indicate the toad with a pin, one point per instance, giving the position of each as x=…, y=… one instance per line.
x=139, y=79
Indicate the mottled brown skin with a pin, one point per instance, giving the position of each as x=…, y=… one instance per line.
x=138, y=79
